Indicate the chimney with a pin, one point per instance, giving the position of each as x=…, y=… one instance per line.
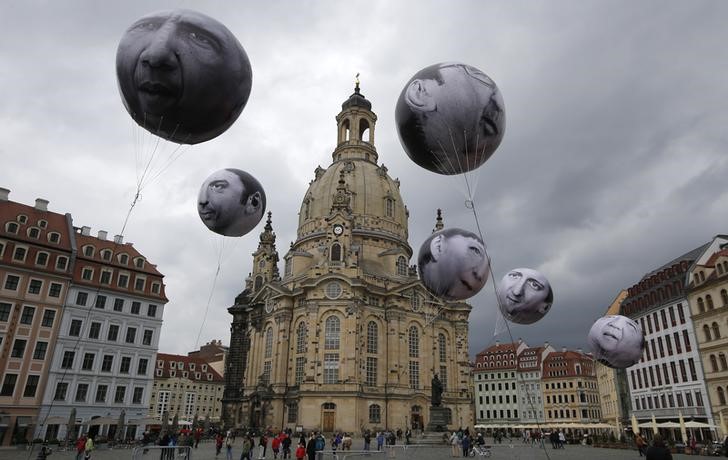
x=563, y=349
x=118, y=239
x=4, y=194
x=102, y=234
x=85, y=231
x=41, y=204
x=497, y=343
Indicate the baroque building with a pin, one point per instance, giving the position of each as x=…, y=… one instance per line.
x=613, y=386
x=668, y=381
x=707, y=292
x=347, y=338
x=495, y=377
x=570, y=388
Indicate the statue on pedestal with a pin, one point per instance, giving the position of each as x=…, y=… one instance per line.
x=436, y=391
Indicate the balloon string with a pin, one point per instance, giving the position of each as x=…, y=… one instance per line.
x=212, y=292
x=470, y=204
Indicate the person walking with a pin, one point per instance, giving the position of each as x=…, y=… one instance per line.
x=380, y=440
x=562, y=439
x=247, y=448
x=218, y=444
x=640, y=443
x=658, y=451
x=89, y=447
x=454, y=445
x=80, y=447
x=229, y=446
x=466, y=445
x=262, y=446
x=311, y=447
x=286, y=446
x=300, y=451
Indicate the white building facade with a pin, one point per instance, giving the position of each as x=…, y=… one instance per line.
x=103, y=363
x=669, y=379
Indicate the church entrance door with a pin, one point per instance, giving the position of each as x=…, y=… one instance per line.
x=329, y=417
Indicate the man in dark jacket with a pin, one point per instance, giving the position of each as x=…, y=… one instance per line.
x=658, y=451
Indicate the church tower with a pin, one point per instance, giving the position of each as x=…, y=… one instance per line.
x=348, y=338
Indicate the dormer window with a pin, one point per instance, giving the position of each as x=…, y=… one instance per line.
x=42, y=223
x=123, y=259
x=54, y=237
x=106, y=255
x=192, y=366
x=160, y=363
x=204, y=368
x=23, y=219
x=209, y=376
x=198, y=375
x=139, y=262
x=33, y=232
x=180, y=365
x=88, y=251
x=12, y=227
x=172, y=365
x=184, y=374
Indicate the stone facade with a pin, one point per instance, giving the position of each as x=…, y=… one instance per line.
x=348, y=338
x=707, y=292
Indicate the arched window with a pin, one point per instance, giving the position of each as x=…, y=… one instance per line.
x=709, y=301
x=723, y=363
x=345, y=130
x=364, y=133
x=258, y=282
x=414, y=342
x=724, y=297
x=332, y=333
x=328, y=406
x=721, y=396
x=372, y=337
x=713, y=363
x=269, y=342
x=701, y=305
x=401, y=266
x=706, y=331
x=301, y=337
x=442, y=347
x=716, y=331
x=375, y=413
x=336, y=252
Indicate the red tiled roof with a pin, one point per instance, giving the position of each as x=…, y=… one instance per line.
x=186, y=361
x=10, y=210
x=715, y=256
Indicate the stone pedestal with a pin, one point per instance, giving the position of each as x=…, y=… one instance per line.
x=439, y=419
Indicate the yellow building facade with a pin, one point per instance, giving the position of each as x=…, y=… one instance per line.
x=707, y=291
x=348, y=338
x=612, y=383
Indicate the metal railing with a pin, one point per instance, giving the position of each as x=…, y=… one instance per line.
x=162, y=453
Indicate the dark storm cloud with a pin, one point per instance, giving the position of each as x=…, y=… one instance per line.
x=612, y=161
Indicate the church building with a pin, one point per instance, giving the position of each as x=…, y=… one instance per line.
x=347, y=338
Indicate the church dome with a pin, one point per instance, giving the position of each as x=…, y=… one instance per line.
x=355, y=187
x=361, y=187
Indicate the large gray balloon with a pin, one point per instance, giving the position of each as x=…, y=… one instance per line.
x=524, y=295
x=182, y=75
x=616, y=341
x=450, y=118
x=453, y=264
x=231, y=202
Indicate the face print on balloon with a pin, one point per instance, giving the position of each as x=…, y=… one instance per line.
x=525, y=295
x=450, y=118
x=616, y=341
x=453, y=264
x=182, y=75
x=231, y=202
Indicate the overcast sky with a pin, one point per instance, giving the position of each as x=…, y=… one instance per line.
x=613, y=161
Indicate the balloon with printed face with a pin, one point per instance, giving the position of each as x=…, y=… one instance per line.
x=231, y=202
x=453, y=264
x=616, y=341
x=450, y=118
x=182, y=75
x=524, y=295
